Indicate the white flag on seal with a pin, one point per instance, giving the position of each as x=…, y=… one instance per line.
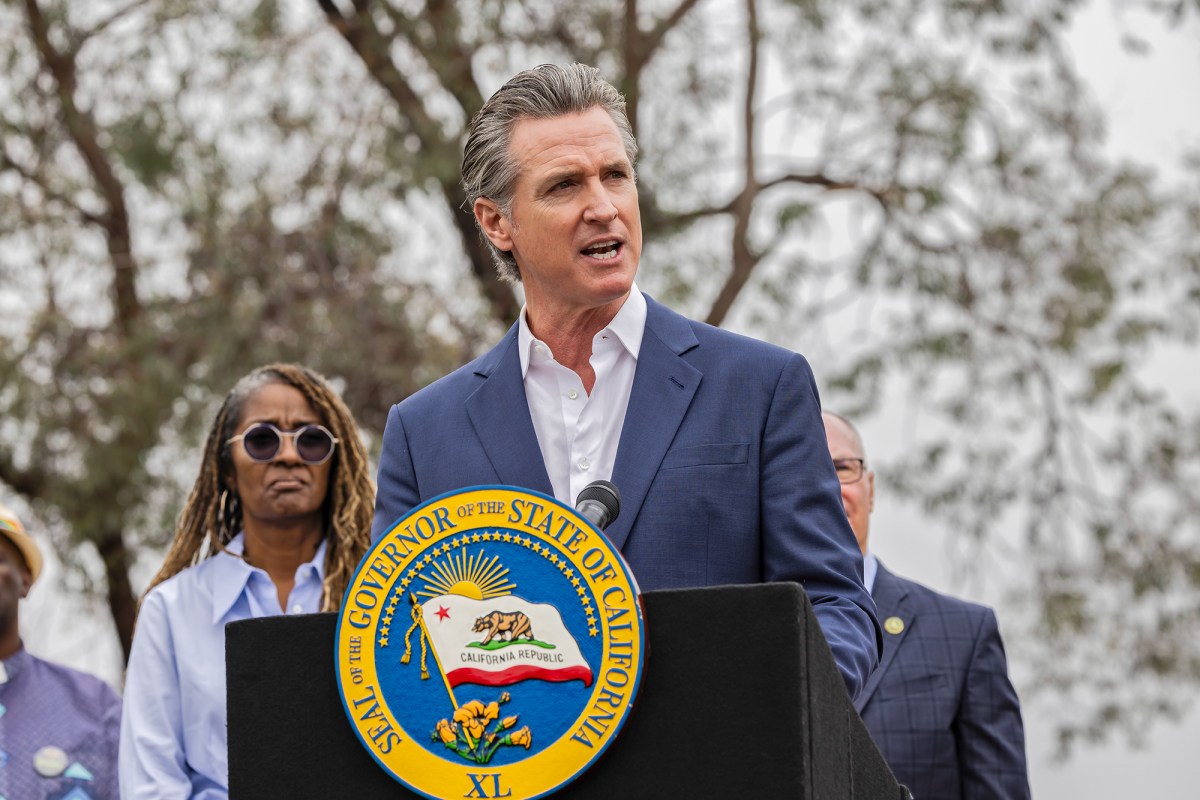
x=501, y=641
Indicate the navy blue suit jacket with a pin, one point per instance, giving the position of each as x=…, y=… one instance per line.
x=722, y=465
x=940, y=706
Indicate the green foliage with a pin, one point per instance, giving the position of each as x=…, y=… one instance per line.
x=138, y=140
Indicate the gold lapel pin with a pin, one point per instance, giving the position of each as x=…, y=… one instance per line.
x=893, y=625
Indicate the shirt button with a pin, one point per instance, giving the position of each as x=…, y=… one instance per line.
x=572, y=394
x=584, y=463
x=297, y=609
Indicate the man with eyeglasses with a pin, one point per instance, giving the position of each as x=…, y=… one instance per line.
x=940, y=706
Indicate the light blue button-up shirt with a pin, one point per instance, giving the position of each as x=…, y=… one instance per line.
x=173, y=727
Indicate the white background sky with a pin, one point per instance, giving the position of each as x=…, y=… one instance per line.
x=1153, y=107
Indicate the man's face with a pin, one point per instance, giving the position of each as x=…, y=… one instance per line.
x=15, y=580
x=858, y=498
x=574, y=226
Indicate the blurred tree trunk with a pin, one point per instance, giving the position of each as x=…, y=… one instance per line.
x=111, y=219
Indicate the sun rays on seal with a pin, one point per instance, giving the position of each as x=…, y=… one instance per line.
x=474, y=576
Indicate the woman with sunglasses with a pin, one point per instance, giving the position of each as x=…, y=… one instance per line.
x=277, y=521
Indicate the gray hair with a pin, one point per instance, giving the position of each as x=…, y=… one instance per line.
x=850, y=426
x=550, y=90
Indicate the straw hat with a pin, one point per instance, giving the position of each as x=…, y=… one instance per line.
x=12, y=529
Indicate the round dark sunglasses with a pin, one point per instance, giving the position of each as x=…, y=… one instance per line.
x=263, y=441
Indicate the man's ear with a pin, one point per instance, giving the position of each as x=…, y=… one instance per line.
x=26, y=581
x=493, y=223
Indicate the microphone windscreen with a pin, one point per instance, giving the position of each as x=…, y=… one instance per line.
x=604, y=493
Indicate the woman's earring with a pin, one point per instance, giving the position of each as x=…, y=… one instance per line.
x=227, y=514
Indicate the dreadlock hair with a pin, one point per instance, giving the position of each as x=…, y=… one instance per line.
x=213, y=514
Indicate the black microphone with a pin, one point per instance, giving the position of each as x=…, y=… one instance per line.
x=599, y=503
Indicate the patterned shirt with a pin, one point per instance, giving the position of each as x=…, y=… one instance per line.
x=58, y=732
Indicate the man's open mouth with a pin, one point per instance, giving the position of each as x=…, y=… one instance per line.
x=603, y=250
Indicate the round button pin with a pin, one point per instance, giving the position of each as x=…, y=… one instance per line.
x=893, y=625
x=50, y=761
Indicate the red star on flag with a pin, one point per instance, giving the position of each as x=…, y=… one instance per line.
x=443, y=612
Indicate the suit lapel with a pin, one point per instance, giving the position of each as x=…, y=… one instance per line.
x=890, y=595
x=663, y=387
x=500, y=415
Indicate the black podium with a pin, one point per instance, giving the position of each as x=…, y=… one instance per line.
x=740, y=699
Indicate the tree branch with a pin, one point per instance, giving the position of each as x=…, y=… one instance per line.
x=85, y=135
x=372, y=47
x=362, y=34
x=745, y=258
x=662, y=221
x=884, y=196
x=639, y=48
x=121, y=600
x=8, y=162
x=445, y=55
x=653, y=39
x=105, y=23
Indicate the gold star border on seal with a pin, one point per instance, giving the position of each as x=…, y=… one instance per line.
x=547, y=552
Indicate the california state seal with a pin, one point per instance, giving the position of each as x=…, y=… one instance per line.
x=490, y=645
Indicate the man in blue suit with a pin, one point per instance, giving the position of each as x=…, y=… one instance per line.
x=940, y=706
x=714, y=440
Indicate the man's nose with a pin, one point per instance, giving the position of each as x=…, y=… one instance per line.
x=600, y=207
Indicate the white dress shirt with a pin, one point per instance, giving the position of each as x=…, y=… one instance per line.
x=578, y=433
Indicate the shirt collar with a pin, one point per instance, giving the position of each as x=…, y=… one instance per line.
x=629, y=325
x=870, y=567
x=231, y=573
x=14, y=664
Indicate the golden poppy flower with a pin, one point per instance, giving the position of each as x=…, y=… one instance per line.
x=522, y=737
x=469, y=711
x=445, y=731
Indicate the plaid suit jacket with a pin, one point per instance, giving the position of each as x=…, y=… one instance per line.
x=940, y=706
